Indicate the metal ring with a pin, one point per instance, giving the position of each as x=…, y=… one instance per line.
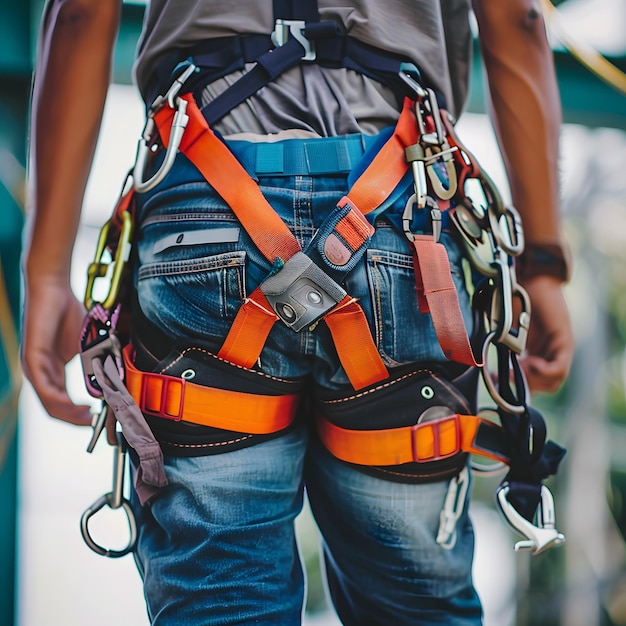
x=99, y=504
x=517, y=409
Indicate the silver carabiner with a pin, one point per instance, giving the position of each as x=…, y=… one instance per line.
x=179, y=123
x=508, y=230
x=495, y=394
x=114, y=500
x=539, y=537
x=435, y=217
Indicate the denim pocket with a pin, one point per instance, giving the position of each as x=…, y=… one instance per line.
x=195, y=297
x=191, y=272
x=402, y=333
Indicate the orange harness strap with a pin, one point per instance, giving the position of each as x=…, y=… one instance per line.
x=421, y=443
x=437, y=295
x=177, y=399
x=221, y=169
x=347, y=322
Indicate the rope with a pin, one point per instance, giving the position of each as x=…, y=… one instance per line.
x=585, y=54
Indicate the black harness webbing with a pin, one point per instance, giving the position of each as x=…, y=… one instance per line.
x=299, y=37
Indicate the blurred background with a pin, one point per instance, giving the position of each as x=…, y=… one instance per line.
x=48, y=576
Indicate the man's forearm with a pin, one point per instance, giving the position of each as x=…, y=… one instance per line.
x=71, y=81
x=526, y=110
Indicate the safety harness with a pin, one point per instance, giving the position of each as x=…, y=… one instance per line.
x=304, y=287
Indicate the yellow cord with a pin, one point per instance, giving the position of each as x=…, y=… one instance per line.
x=584, y=53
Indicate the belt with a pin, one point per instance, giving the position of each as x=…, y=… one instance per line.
x=301, y=157
x=177, y=399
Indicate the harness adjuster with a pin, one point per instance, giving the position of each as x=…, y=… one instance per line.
x=422, y=432
x=285, y=29
x=300, y=293
x=166, y=388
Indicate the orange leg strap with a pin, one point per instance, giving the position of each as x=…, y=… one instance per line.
x=353, y=342
x=421, y=443
x=247, y=335
x=177, y=399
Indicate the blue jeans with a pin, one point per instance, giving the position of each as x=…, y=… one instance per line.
x=218, y=545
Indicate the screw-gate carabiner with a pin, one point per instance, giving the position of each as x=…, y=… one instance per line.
x=98, y=269
x=114, y=500
x=179, y=123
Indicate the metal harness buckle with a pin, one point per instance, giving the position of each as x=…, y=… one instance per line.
x=284, y=29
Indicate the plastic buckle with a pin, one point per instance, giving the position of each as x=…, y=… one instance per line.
x=300, y=293
x=285, y=29
x=165, y=382
x=435, y=427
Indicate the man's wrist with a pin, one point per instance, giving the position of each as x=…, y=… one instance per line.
x=543, y=259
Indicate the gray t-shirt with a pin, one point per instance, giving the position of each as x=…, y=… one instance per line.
x=435, y=34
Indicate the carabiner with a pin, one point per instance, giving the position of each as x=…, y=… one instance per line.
x=442, y=152
x=495, y=394
x=452, y=510
x=478, y=243
x=435, y=217
x=114, y=500
x=508, y=230
x=539, y=537
x=98, y=269
x=179, y=123
x=415, y=156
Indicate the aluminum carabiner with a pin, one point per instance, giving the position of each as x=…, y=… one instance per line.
x=538, y=537
x=99, y=269
x=491, y=385
x=508, y=230
x=179, y=123
x=435, y=217
x=478, y=243
x=114, y=500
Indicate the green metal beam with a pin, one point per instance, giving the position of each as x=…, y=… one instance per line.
x=17, y=23
x=585, y=98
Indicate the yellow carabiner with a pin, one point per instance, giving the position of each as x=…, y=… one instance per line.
x=98, y=269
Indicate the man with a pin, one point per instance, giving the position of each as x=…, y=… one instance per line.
x=217, y=544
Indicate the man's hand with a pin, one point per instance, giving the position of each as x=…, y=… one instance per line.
x=51, y=334
x=550, y=347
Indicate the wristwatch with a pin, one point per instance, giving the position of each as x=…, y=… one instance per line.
x=543, y=260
